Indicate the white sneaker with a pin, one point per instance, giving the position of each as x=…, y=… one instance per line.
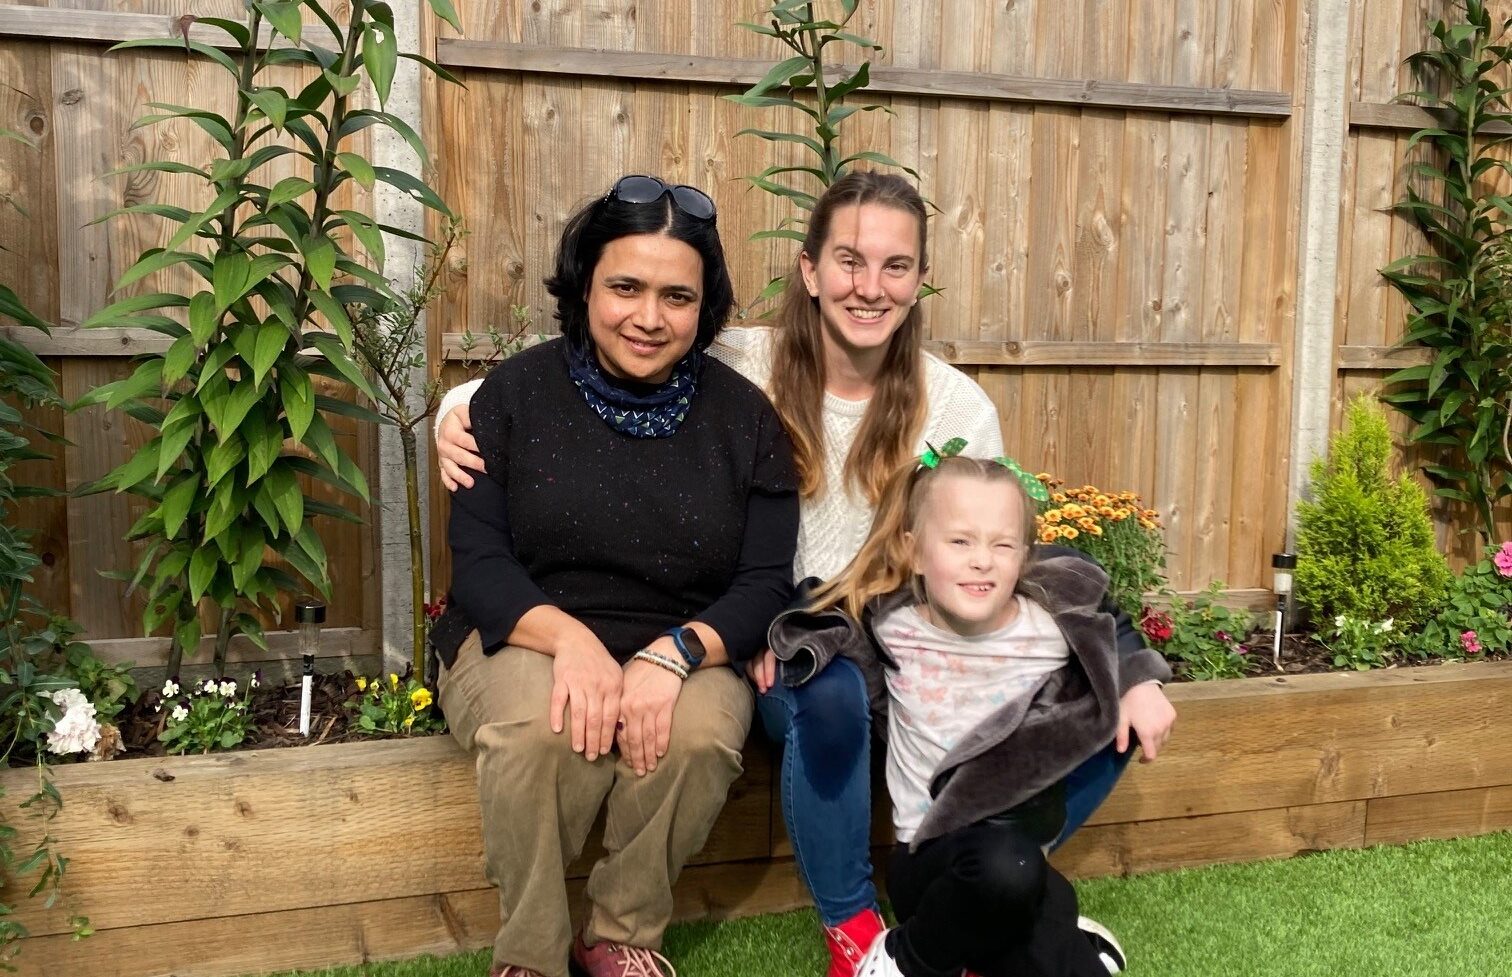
x=1104, y=943
x=878, y=962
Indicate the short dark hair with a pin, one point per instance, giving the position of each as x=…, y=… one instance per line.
x=603, y=220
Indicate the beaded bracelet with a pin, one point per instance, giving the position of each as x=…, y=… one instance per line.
x=676, y=668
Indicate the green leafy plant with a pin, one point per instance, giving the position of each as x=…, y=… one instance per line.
x=1476, y=604
x=1460, y=294
x=209, y=715
x=479, y=353
x=1365, y=543
x=272, y=313
x=1203, y=638
x=1360, y=644
x=109, y=686
x=807, y=82
x=401, y=706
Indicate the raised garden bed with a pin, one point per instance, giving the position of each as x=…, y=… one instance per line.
x=271, y=859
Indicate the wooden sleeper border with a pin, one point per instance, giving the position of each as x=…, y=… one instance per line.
x=310, y=857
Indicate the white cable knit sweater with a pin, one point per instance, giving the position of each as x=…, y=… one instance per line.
x=833, y=526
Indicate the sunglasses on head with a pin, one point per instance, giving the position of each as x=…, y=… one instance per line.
x=648, y=190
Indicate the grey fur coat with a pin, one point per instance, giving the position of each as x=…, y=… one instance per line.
x=1031, y=742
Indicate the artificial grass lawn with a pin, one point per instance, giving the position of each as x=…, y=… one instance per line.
x=1432, y=909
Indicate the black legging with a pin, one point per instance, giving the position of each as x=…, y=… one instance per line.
x=984, y=898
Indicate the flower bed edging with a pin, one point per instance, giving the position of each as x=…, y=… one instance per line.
x=308, y=857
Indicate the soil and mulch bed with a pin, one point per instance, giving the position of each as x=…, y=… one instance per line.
x=274, y=708
x=273, y=715
x=1304, y=654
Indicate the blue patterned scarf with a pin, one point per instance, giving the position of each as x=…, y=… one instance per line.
x=656, y=413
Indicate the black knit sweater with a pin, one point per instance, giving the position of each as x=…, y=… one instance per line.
x=631, y=536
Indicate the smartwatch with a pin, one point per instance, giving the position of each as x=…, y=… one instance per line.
x=689, y=645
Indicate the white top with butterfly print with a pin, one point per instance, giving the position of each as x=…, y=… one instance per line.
x=946, y=684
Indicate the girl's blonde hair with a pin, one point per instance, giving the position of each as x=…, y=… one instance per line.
x=885, y=561
x=895, y=416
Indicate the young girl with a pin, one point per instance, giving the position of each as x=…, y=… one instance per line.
x=998, y=668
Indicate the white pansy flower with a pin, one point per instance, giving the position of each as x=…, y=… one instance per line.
x=227, y=689
x=1386, y=624
x=179, y=714
x=170, y=689
x=255, y=683
x=1339, y=621
x=209, y=686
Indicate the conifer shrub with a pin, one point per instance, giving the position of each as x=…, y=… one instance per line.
x=1365, y=543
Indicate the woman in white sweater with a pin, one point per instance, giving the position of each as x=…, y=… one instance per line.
x=846, y=370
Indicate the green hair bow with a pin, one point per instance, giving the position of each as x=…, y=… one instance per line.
x=1033, y=486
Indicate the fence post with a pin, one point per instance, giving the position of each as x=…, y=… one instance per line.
x=1325, y=126
x=403, y=256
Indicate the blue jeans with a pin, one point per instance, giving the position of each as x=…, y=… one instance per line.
x=824, y=727
x=1089, y=785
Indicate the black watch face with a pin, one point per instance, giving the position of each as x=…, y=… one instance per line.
x=694, y=644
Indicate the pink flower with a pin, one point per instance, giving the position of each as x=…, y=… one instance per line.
x=1503, y=559
x=1470, y=641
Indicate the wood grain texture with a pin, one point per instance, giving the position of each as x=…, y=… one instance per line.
x=1149, y=846
x=261, y=860
x=357, y=933
x=28, y=179
x=737, y=72
x=1443, y=814
x=1312, y=739
x=335, y=642
x=228, y=825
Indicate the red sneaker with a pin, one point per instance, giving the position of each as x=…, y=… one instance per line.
x=848, y=942
x=616, y=960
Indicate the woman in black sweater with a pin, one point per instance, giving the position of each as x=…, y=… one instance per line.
x=632, y=539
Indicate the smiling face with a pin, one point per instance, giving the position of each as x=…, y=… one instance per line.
x=970, y=547
x=643, y=305
x=866, y=276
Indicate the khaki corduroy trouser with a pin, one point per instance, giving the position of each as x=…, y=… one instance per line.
x=539, y=799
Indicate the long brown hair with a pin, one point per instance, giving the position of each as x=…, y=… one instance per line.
x=895, y=415
x=885, y=561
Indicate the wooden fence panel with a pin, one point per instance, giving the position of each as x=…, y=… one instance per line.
x=1055, y=224
x=1079, y=39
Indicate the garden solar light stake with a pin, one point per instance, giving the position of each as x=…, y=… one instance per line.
x=1282, y=565
x=310, y=615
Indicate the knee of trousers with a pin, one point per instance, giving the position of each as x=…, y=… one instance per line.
x=709, y=740
x=1005, y=871
x=831, y=726
x=513, y=748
